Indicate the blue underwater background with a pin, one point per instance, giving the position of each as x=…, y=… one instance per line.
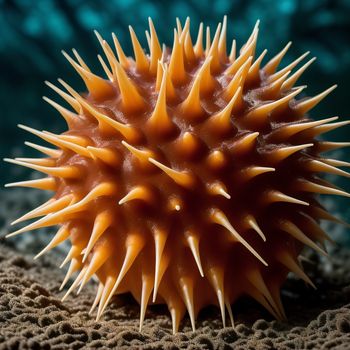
x=32, y=34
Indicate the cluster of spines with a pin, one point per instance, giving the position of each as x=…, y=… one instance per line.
x=205, y=71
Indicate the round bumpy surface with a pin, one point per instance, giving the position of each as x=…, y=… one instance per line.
x=188, y=176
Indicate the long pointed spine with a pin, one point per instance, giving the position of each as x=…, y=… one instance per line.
x=160, y=122
x=142, y=63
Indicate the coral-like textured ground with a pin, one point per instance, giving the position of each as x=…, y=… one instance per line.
x=32, y=316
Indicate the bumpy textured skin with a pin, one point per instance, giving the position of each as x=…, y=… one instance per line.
x=188, y=177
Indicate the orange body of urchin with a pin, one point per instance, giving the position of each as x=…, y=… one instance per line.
x=187, y=177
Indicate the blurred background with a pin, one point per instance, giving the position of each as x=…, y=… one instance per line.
x=34, y=32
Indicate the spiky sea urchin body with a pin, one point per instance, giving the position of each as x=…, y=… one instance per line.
x=187, y=177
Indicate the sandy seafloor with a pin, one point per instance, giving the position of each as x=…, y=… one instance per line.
x=33, y=317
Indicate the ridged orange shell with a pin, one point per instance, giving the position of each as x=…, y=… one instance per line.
x=188, y=176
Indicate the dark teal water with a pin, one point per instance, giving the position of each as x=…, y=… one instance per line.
x=32, y=33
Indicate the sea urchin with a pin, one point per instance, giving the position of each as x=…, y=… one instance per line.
x=188, y=177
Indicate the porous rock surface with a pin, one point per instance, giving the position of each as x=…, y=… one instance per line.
x=33, y=317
